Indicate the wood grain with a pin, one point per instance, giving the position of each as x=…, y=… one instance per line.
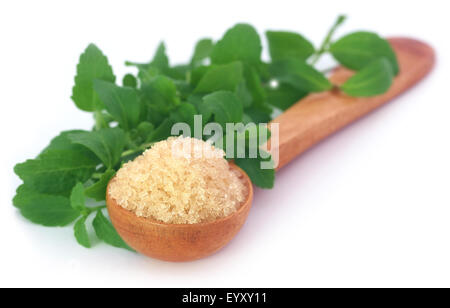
x=320, y=115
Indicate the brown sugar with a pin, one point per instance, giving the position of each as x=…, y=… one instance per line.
x=180, y=181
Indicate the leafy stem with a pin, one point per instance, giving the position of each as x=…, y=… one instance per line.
x=138, y=149
x=100, y=121
x=89, y=210
x=326, y=42
x=96, y=175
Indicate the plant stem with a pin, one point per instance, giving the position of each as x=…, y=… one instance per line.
x=89, y=210
x=140, y=148
x=97, y=175
x=96, y=208
x=99, y=120
x=326, y=42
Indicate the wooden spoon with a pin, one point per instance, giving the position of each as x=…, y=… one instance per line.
x=300, y=127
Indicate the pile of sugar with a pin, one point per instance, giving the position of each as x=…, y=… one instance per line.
x=181, y=181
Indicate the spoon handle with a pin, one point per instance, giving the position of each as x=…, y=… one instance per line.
x=320, y=115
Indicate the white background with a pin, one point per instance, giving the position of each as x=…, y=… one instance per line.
x=368, y=207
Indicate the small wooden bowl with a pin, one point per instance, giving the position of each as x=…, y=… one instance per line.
x=178, y=242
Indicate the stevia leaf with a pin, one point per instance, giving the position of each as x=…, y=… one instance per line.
x=220, y=77
x=225, y=107
x=178, y=72
x=106, y=143
x=246, y=141
x=240, y=43
x=160, y=59
x=161, y=92
x=284, y=45
x=258, y=115
x=97, y=191
x=243, y=94
x=284, y=96
x=81, y=234
x=142, y=133
x=254, y=85
x=44, y=209
x=358, y=49
x=159, y=64
x=106, y=232
x=263, y=178
x=129, y=81
x=263, y=70
x=77, y=199
x=374, y=79
x=300, y=75
x=92, y=65
x=202, y=50
x=147, y=73
x=62, y=142
x=184, y=88
x=57, y=171
x=23, y=192
x=162, y=131
x=121, y=102
x=197, y=101
x=185, y=114
x=197, y=74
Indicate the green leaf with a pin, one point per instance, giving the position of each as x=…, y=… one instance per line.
x=246, y=140
x=202, y=50
x=106, y=143
x=158, y=65
x=121, y=102
x=225, y=107
x=81, y=234
x=263, y=178
x=62, y=142
x=284, y=45
x=243, y=94
x=259, y=95
x=240, y=43
x=162, y=131
x=44, y=209
x=251, y=137
x=97, y=190
x=358, y=49
x=284, y=96
x=300, y=75
x=185, y=114
x=220, y=77
x=197, y=74
x=160, y=59
x=23, y=192
x=258, y=115
x=376, y=78
x=92, y=65
x=57, y=171
x=77, y=199
x=129, y=81
x=161, y=92
x=106, y=232
x=143, y=133
x=178, y=72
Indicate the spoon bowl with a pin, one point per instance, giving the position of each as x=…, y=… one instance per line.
x=178, y=242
